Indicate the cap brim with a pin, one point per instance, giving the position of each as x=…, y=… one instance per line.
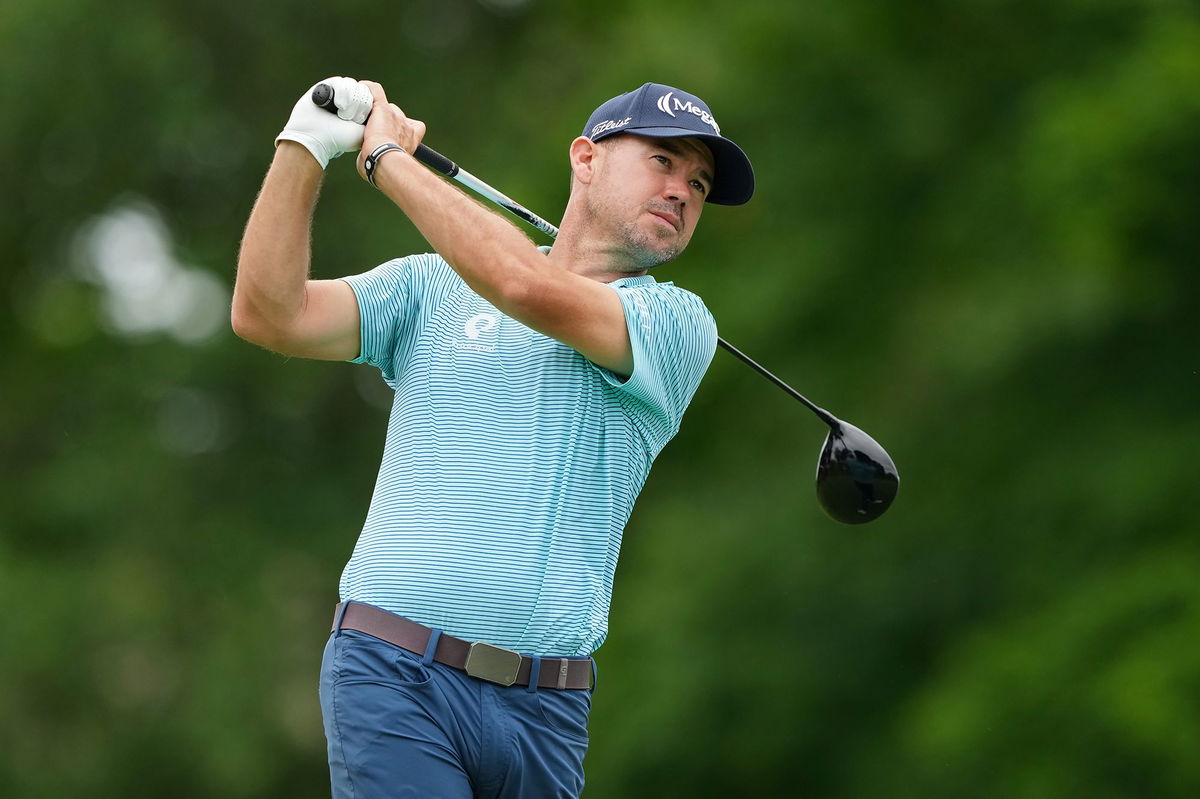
x=733, y=183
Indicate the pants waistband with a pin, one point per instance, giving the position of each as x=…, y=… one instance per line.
x=482, y=660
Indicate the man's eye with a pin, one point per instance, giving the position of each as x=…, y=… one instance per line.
x=663, y=159
x=698, y=186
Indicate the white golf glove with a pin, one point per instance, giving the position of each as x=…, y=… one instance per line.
x=327, y=135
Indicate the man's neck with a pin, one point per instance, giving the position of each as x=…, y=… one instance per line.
x=591, y=259
x=585, y=253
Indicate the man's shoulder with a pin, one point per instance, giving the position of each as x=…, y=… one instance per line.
x=647, y=288
x=420, y=272
x=424, y=263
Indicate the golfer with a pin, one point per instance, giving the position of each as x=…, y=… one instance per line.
x=533, y=390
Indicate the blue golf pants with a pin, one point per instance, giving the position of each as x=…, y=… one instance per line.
x=399, y=725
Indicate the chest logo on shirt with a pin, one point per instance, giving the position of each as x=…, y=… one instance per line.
x=476, y=326
x=479, y=323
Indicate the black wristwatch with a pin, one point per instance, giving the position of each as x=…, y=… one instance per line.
x=372, y=160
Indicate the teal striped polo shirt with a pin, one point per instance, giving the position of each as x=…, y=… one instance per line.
x=512, y=462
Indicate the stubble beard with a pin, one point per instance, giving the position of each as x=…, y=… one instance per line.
x=643, y=250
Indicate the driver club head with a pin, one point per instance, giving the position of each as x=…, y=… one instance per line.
x=856, y=478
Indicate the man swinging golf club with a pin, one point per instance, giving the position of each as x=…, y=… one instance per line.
x=533, y=390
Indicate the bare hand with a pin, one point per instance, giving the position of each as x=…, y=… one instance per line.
x=388, y=123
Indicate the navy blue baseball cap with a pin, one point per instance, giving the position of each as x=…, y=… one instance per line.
x=662, y=111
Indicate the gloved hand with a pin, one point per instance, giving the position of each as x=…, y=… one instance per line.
x=327, y=135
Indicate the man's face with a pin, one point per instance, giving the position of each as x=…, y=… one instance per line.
x=652, y=192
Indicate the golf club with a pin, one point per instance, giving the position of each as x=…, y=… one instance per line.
x=856, y=478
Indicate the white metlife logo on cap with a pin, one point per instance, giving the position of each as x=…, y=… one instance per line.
x=667, y=100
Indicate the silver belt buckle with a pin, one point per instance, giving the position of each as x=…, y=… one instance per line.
x=493, y=663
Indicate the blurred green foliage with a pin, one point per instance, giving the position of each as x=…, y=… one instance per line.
x=971, y=238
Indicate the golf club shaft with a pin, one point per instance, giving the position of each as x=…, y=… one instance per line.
x=323, y=96
x=443, y=165
x=824, y=415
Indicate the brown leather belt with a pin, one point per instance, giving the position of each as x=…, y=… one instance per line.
x=482, y=660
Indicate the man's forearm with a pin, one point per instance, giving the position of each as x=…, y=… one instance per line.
x=504, y=267
x=273, y=264
x=490, y=254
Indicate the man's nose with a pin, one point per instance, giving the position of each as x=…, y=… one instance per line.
x=676, y=189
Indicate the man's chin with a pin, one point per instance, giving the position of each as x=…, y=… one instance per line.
x=652, y=249
x=666, y=248
x=660, y=256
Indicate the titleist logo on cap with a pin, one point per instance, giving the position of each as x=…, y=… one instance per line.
x=609, y=124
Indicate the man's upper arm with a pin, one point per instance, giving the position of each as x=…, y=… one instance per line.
x=582, y=313
x=673, y=338
x=327, y=328
x=355, y=318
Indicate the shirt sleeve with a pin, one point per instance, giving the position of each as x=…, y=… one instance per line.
x=674, y=338
x=387, y=301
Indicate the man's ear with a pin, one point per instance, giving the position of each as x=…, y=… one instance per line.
x=583, y=159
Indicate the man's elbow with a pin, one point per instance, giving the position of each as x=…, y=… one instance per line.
x=250, y=326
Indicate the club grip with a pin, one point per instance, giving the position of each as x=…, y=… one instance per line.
x=322, y=97
x=436, y=161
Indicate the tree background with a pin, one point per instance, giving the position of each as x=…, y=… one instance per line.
x=971, y=238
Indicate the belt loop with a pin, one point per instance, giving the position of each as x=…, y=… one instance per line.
x=435, y=635
x=595, y=675
x=563, y=665
x=339, y=615
x=535, y=671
